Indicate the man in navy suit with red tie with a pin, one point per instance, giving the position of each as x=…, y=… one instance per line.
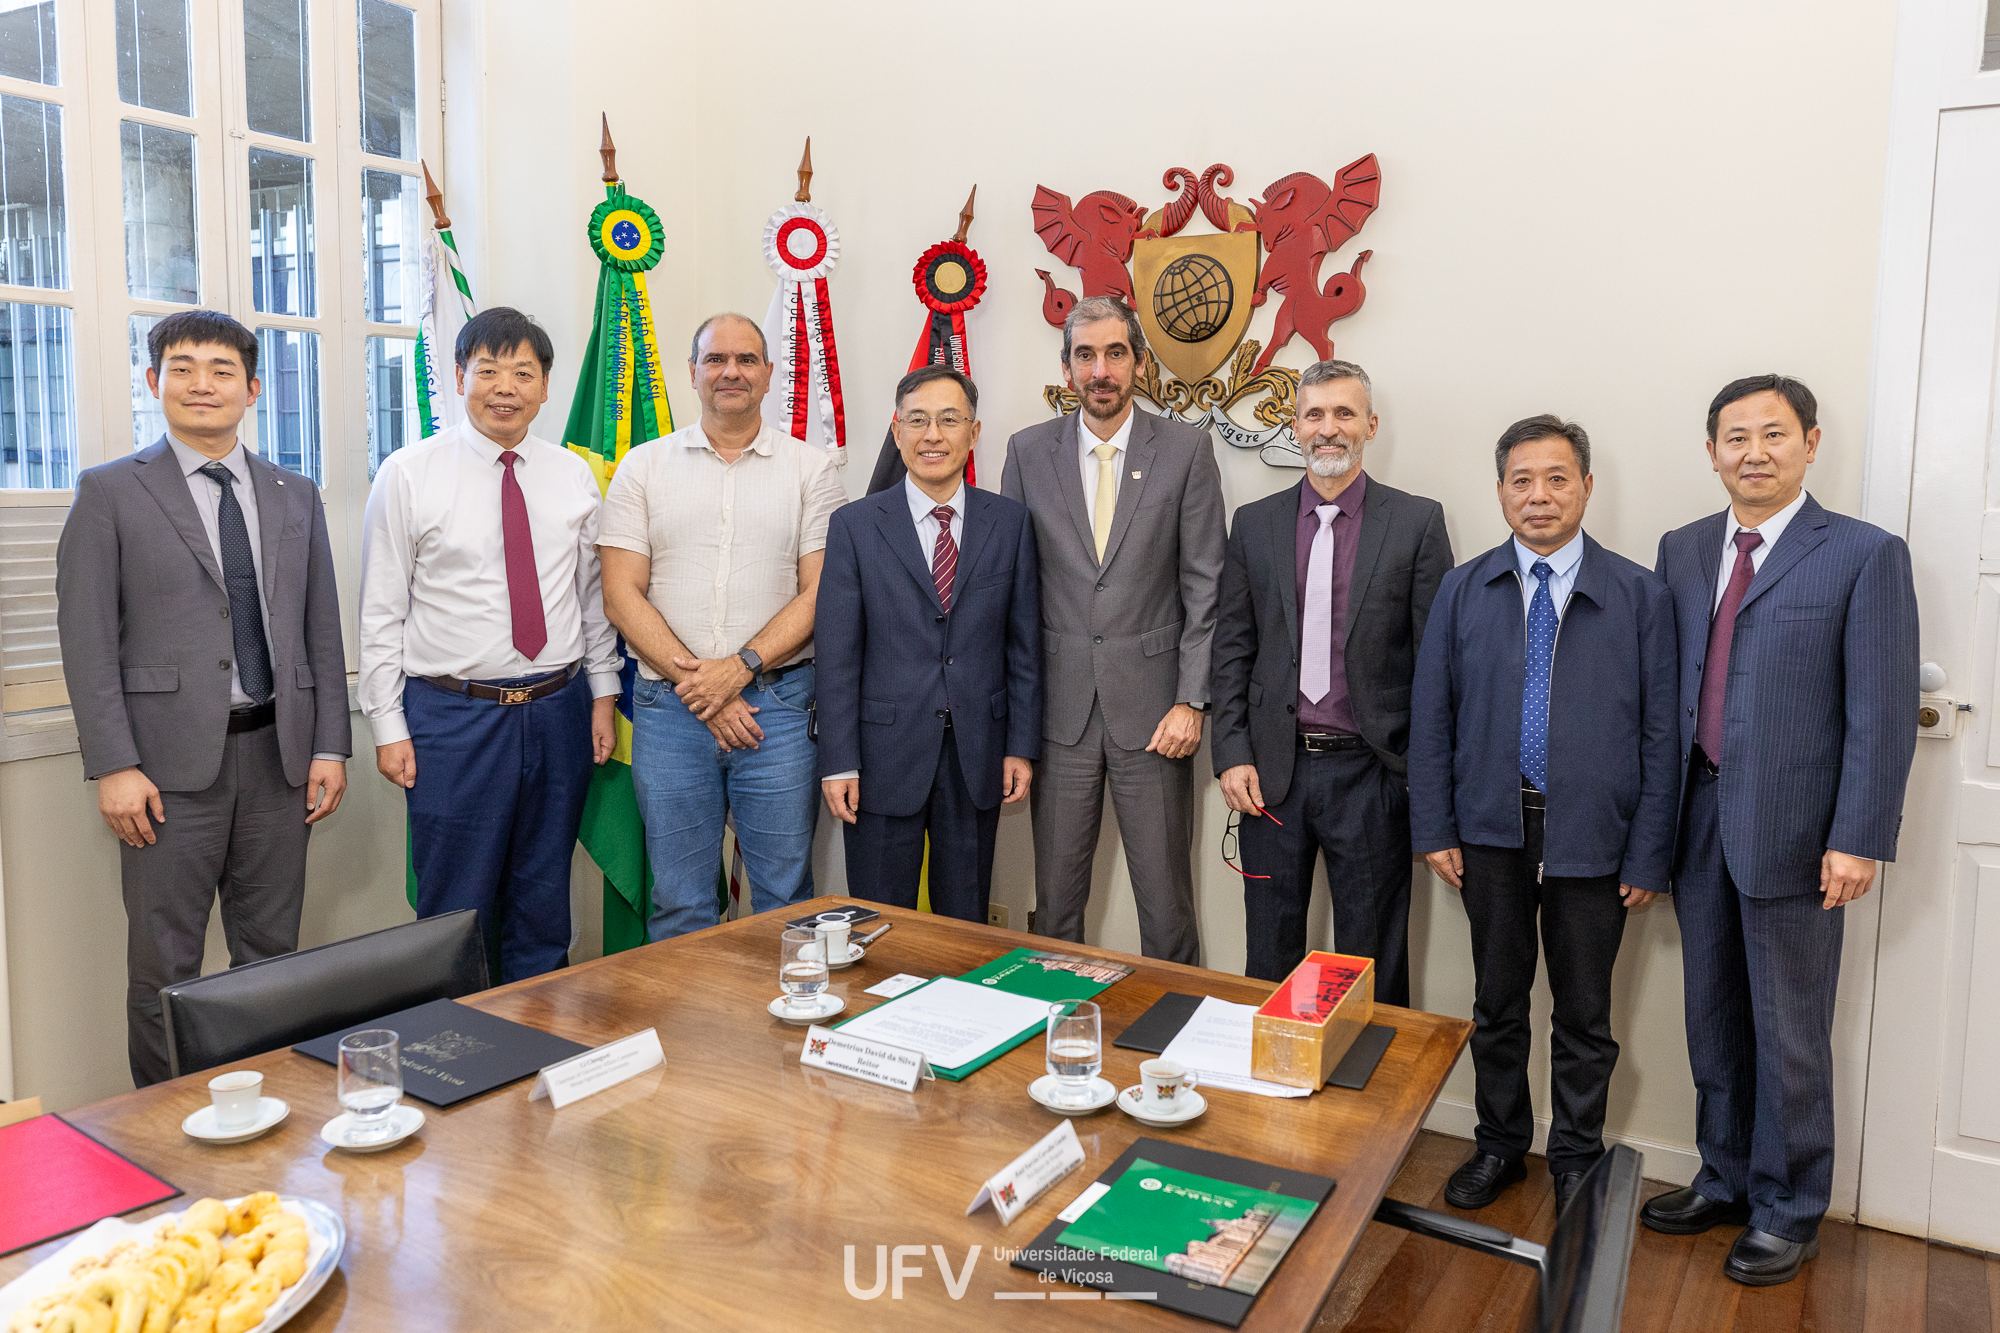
x=1798, y=647
x=928, y=628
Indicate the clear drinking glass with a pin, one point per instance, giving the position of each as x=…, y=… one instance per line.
x=1076, y=1048
x=802, y=970
x=370, y=1080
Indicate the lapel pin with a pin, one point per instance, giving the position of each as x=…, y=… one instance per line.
x=1135, y=476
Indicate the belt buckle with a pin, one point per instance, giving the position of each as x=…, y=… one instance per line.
x=517, y=696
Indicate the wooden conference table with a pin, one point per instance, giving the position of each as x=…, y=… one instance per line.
x=719, y=1191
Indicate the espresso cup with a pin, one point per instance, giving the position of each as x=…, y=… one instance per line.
x=834, y=935
x=1165, y=1081
x=235, y=1097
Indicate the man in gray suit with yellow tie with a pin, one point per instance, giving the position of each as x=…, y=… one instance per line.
x=1129, y=529
x=201, y=644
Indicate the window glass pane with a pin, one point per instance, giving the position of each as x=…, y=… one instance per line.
x=390, y=202
x=392, y=398
x=288, y=410
x=37, y=398
x=28, y=42
x=153, y=55
x=281, y=234
x=35, y=253
x=161, y=262
x=149, y=423
x=388, y=79
x=277, y=82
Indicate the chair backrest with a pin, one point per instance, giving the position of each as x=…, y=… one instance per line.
x=1583, y=1274
x=295, y=997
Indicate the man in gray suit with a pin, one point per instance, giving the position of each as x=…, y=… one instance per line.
x=201, y=644
x=1129, y=527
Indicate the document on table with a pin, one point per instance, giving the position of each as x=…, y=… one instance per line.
x=954, y=1022
x=1215, y=1043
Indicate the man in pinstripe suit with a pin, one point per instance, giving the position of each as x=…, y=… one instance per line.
x=1798, y=647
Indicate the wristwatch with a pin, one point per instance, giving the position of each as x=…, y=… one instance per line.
x=1199, y=708
x=755, y=663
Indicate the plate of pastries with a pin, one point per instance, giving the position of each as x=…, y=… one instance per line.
x=217, y=1266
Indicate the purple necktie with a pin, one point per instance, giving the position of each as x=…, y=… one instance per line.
x=944, y=556
x=524, y=584
x=1721, y=631
x=1316, y=677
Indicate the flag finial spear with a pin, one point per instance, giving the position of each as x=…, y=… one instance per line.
x=435, y=197
x=965, y=217
x=804, y=196
x=609, y=152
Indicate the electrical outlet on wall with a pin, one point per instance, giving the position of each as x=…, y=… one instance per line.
x=996, y=915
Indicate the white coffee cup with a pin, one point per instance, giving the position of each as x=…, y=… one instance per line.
x=235, y=1097
x=833, y=934
x=1165, y=1081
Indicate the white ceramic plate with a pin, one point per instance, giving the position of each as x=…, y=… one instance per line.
x=404, y=1120
x=829, y=1005
x=1101, y=1092
x=1130, y=1102
x=325, y=1233
x=271, y=1112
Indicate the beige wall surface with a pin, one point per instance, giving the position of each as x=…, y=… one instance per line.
x=1584, y=210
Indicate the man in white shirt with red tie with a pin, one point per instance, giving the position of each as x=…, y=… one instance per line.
x=488, y=670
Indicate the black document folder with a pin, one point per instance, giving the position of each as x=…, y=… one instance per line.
x=451, y=1051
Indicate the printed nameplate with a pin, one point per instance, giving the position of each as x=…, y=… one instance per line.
x=857, y=1057
x=1020, y=1182
x=567, y=1080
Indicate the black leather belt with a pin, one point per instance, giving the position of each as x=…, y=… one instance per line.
x=1326, y=742
x=1532, y=799
x=537, y=687
x=252, y=717
x=765, y=680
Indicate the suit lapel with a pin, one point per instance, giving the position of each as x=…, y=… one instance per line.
x=1374, y=527
x=1284, y=560
x=270, y=492
x=892, y=519
x=977, y=528
x=1806, y=530
x=1069, y=480
x=1138, y=463
x=1708, y=549
x=161, y=475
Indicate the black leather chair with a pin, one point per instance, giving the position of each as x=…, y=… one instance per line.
x=1583, y=1268
x=295, y=997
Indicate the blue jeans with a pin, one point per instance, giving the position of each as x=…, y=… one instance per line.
x=686, y=783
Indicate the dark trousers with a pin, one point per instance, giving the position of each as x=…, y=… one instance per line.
x=1582, y=924
x=1761, y=978
x=494, y=814
x=1345, y=806
x=243, y=837
x=885, y=853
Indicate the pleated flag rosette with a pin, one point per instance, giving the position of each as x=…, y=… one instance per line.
x=802, y=245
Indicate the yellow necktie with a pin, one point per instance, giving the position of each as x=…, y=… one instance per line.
x=1107, y=496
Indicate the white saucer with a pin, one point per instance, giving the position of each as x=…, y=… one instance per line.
x=828, y=1006
x=404, y=1121
x=201, y=1125
x=1192, y=1105
x=1101, y=1091
x=855, y=953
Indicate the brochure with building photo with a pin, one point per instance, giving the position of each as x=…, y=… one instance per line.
x=1192, y=1226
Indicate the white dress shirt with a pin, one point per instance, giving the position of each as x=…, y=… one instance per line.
x=927, y=526
x=1770, y=530
x=1087, y=443
x=1563, y=562
x=434, y=571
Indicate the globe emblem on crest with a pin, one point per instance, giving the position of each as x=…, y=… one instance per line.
x=1193, y=298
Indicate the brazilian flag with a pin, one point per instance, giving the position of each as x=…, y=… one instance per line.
x=621, y=402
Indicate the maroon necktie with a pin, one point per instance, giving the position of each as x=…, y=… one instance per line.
x=524, y=585
x=1721, y=631
x=944, y=556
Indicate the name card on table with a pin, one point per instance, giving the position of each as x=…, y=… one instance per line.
x=1019, y=1183
x=858, y=1057
x=612, y=1063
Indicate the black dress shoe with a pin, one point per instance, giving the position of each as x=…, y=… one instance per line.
x=1566, y=1187
x=1481, y=1179
x=1759, y=1259
x=1685, y=1212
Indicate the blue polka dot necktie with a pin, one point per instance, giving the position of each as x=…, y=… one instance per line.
x=239, y=577
x=1535, y=691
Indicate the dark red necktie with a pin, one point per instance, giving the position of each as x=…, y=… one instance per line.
x=1721, y=632
x=524, y=585
x=944, y=556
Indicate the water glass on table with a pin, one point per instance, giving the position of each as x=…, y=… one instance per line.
x=370, y=1081
x=1076, y=1049
x=802, y=970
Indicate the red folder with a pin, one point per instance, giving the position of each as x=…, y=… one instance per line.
x=55, y=1179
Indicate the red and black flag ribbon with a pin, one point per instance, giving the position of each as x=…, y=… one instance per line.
x=950, y=278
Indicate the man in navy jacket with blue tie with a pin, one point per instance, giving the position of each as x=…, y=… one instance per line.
x=1543, y=777
x=1798, y=722
x=929, y=643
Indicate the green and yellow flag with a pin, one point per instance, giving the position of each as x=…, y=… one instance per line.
x=621, y=402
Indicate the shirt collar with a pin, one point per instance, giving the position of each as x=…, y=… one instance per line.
x=765, y=443
x=921, y=504
x=1562, y=560
x=193, y=460
x=491, y=450
x=1349, y=501
x=1770, y=529
x=1120, y=438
